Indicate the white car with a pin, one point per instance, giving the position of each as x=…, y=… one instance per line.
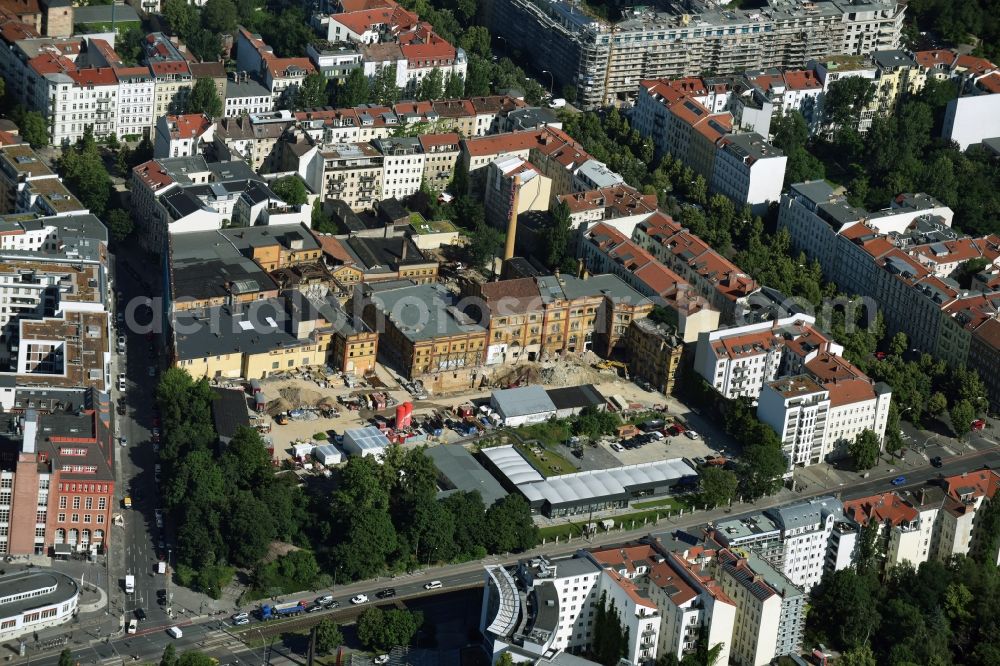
x=359, y=599
x=433, y=585
x=121, y=343
x=241, y=616
x=617, y=447
x=133, y=626
x=381, y=659
x=158, y=513
x=121, y=382
x=691, y=434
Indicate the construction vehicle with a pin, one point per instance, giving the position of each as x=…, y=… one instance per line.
x=268, y=612
x=613, y=365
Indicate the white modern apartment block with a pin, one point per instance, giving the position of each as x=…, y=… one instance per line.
x=906, y=534
x=970, y=119
x=689, y=600
x=749, y=170
x=797, y=409
x=738, y=361
x=404, y=161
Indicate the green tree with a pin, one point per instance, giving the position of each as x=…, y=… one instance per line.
x=354, y=91
x=986, y=533
x=34, y=129
x=593, y=423
x=195, y=658
x=287, y=32
x=937, y=403
x=864, y=449
x=962, y=415
x=698, y=189
x=718, y=486
x=328, y=636
x=251, y=518
x=610, y=637
x=120, y=224
x=169, y=657
x=431, y=86
x=477, y=77
x=219, y=16
x=763, y=465
x=291, y=190
x=845, y=100
x=454, y=86
x=381, y=630
x=383, y=87
x=557, y=234
x=84, y=174
x=505, y=660
x=204, y=98
x=485, y=244
x=844, y=612
x=467, y=512
x=312, y=93
x=66, y=658
x=182, y=17
x=859, y=656
x=509, y=527
x=476, y=41
x=899, y=344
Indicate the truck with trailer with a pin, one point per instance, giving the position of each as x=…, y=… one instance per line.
x=287, y=609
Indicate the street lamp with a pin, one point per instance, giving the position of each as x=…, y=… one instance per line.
x=552, y=80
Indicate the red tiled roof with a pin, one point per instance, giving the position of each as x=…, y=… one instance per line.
x=981, y=483
x=9, y=139
x=436, y=140
x=801, y=79
x=279, y=66
x=94, y=76
x=973, y=65
x=935, y=58
x=153, y=175
x=170, y=67
x=360, y=5
x=188, y=126
x=14, y=31
x=630, y=589
x=990, y=84
x=359, y=22
x=333, y=248
x=882, y=508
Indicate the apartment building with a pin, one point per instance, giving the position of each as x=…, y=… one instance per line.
x=64, y=479
x=253, y=139
x=19, y=167
x=403, y=163
x=280, y=76
x=654, y=351
x=514, y=186
x=605, y=61
x=425, y=336
x=243, y=96
x=620, y=206
x=964, y=496
x=353, y=173
x=770, y=609
x=440, y=157
x=905, y=532
x=380, y=258
x=182, y=135
x=722, y=283
x=177, y=195
x=136, y=98
x=171, y=74
x=334, y=60
x=679, y=117
x=605, y=250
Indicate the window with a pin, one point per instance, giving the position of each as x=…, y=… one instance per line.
x=88, y=503
x=75, y=518
x=76, y=502
x=61, y=518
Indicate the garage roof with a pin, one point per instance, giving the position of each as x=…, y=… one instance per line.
x=523, y=401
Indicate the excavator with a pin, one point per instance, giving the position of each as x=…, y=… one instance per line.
x=616, y=365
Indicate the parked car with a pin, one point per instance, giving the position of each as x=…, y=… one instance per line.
x=241, y=621
x=121, y=382
x=140, y=614
x=151, y=371
x=691, y=434
x=240, y=616
x=978, y=425
x=617, y=447
x=359, y=599
x=158, y=514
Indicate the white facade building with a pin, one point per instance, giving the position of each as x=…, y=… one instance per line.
x=970, y=119
x=749, y=170
x=136, y=94
x=403, y=164
x=34, y=600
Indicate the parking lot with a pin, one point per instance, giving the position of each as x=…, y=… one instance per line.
x=669, y=447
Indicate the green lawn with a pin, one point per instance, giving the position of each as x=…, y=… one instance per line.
x=549, y=433
x=628, y=520
x=553, y=464
x=664, y=503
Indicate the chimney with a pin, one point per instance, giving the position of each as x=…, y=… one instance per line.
x=515, y=193
x=402, y=254
x=580, y=270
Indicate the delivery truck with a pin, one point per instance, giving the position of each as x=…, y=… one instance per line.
x=129, y=584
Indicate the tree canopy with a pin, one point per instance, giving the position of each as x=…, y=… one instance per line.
x=84, y=173
x=204, y=98
x=291, y=189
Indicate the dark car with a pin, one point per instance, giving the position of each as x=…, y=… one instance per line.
x=936, y=461
x=386, y=593
x=140, y=614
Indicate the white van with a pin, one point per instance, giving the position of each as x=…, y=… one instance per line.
x=433, y=585
x=175, y=632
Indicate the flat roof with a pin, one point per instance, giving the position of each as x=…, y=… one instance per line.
x=424, y=312
x=24, y=582
x=571, y=397
x=459, y=471
x=522, y=401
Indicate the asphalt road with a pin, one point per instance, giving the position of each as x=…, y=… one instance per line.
x=138, y=540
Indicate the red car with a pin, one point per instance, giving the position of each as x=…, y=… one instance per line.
x=978, y=424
